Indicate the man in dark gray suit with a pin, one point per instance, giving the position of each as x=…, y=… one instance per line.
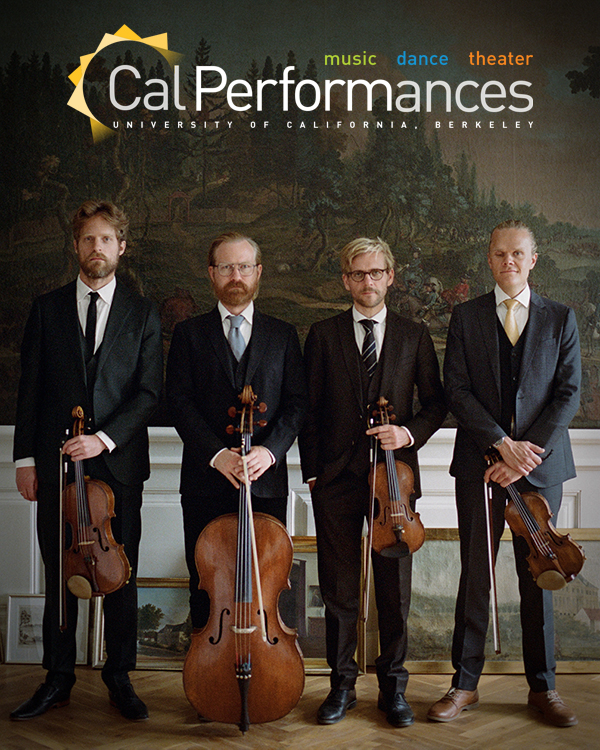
x=96, y=344
x=212, y=357
x=512, y=374
x=353, y=359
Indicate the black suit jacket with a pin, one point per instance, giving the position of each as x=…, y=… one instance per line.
x=201, y=388
x=337, y=416
x=548, y=388
x=53, y=380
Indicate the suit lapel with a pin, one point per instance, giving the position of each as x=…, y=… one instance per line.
x=488, y=323
x=68, y=321
x=219, y=343
x=345, y=325
x=390, y=351
x=120, y=310
x=258, y=342
x=533, y=333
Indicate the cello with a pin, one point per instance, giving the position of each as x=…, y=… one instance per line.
x=93, y=564
x=245, y=666
x=554, y=559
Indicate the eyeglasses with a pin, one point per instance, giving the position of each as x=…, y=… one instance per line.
x=374, y=273
x=226, y=269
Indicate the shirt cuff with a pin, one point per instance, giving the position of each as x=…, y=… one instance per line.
x=22, y=463
x=111, y=445
x=411, y=438
x=211, y=463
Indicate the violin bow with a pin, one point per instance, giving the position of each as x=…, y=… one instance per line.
x=62, y=603
x=263, y=627
x=248, y=398
x=367, y=565
x=488, y=495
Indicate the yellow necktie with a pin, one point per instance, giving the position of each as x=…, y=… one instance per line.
x=510, y=323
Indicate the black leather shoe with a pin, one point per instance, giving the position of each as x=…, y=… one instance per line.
x=125, y=699
x=334, y=707
x=398, y=712
x=48, y=695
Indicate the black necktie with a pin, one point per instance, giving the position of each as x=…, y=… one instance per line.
x=90, y=327
x=369, y=350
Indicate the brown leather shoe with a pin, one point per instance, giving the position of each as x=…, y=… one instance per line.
x=452, y=704
x=551, y=705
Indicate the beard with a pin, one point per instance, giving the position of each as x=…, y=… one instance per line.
x=99, y=269
x=236, y=293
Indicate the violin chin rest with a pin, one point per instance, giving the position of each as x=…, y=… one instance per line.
x=551, y=580
x=80, y=587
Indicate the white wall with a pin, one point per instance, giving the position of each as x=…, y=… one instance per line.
x=161, y=553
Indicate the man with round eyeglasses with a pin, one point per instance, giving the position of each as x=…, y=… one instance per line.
x=351, y=360
x=212, y=357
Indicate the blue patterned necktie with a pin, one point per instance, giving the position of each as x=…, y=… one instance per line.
x=369, y=350
x=235, y=338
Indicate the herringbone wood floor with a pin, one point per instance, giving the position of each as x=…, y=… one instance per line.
x=502, y=721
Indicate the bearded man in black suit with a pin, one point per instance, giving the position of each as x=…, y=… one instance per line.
x=346, y=375
x=212, y=357
x=92, y=343
x=512, y=373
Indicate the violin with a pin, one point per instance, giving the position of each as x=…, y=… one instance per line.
x=93, y=564
x=554, y=559
x=395, y=529
x=245, y=666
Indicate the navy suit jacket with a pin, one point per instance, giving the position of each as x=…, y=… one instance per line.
x=201, y=388
x=337, y=415
x=53, y=381
x=548, y=386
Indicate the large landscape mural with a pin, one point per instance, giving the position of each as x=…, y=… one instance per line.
x=302, y=182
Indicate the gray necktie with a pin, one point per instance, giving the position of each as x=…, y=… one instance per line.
x=235, y=338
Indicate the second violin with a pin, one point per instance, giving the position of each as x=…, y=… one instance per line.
x=554, y=559
x=395, y=529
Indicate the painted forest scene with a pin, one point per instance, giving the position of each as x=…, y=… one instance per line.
x=301, y=191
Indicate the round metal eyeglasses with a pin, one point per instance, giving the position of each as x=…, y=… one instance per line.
x=226, y=269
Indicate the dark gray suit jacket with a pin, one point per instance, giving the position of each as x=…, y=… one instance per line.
x=201, y=388
x=548, y=388
x=53, y=380
x=337, y=415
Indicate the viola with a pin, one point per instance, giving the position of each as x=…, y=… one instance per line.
x=395, y=529
x=554, y=559
x=93, y=563
x=245, y=667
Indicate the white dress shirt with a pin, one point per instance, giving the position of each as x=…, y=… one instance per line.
x=521, y=310
x=246, y=331
x=103, y=303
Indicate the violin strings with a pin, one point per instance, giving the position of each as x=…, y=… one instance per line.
x=532, y=525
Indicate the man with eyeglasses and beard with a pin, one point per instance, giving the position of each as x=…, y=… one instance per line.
x=212, y=357
x=353, y=359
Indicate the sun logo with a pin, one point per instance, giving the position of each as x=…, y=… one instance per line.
x=77, y=100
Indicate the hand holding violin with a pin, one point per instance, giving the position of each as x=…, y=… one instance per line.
x=84, y=446
x=391, y=436
x=502, y=474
